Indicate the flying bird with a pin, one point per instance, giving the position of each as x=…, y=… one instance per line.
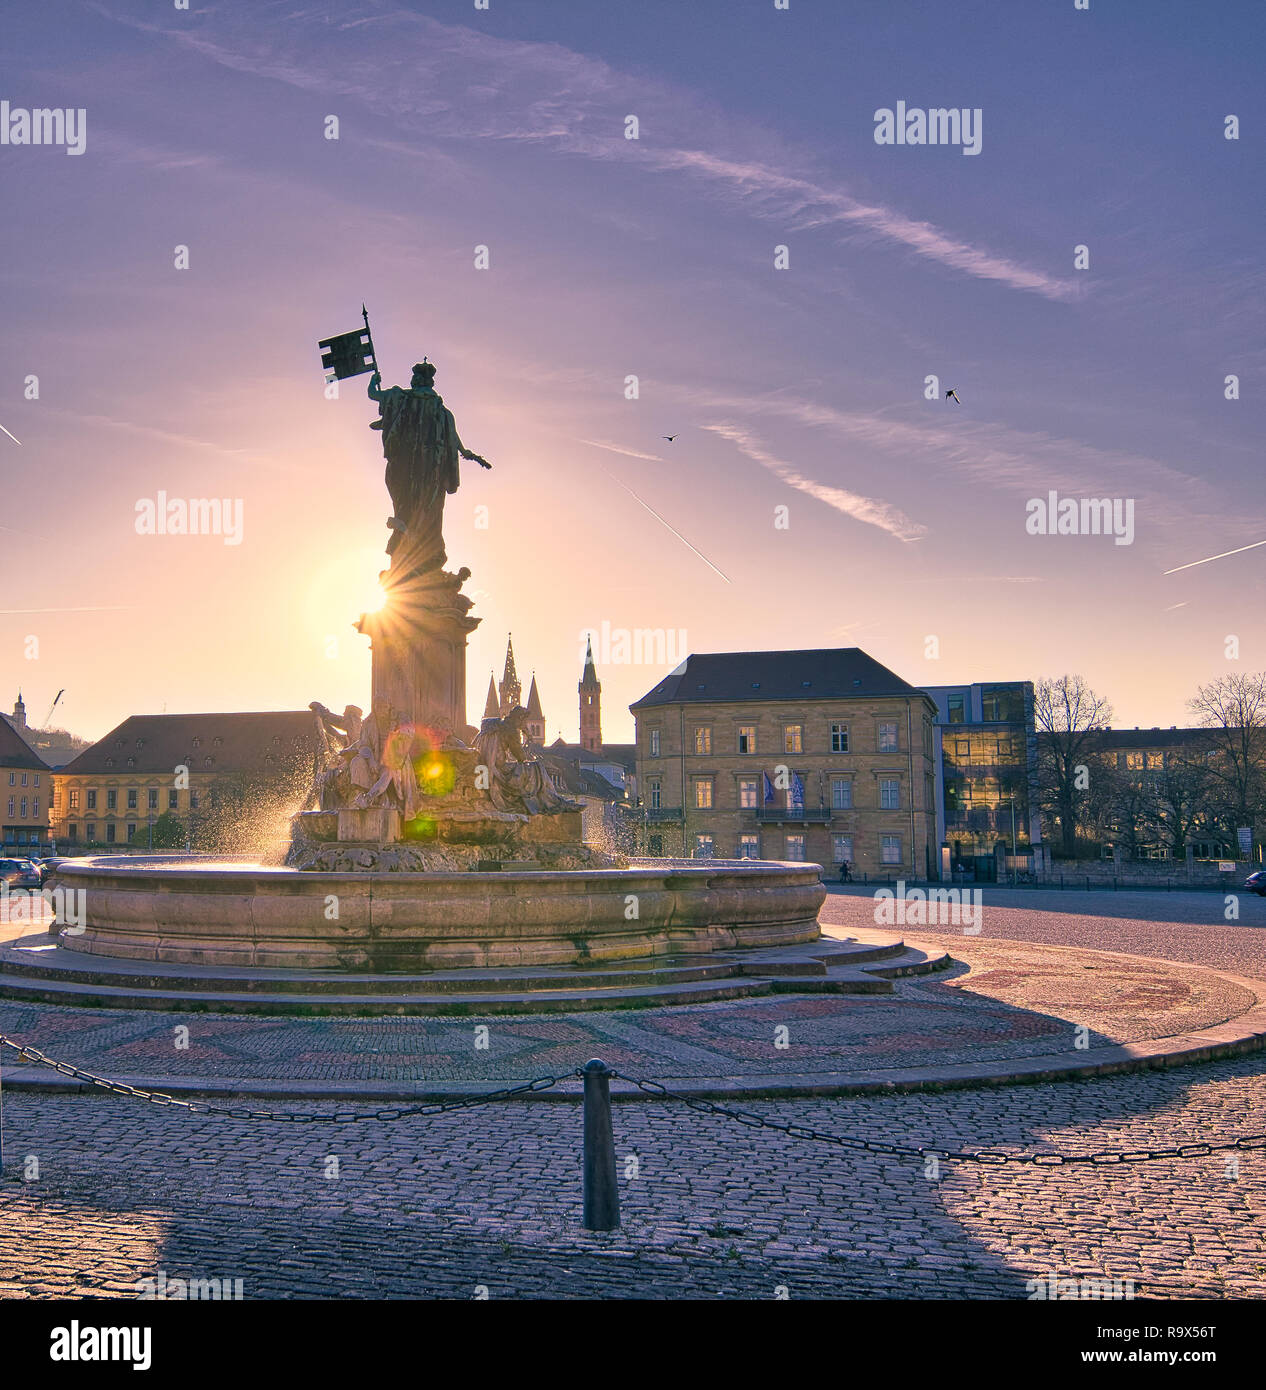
x=669, y=437
x=954, y=394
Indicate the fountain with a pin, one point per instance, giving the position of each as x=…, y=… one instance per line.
x=425, y=845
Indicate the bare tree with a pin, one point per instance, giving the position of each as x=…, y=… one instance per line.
x=1070, y=718
x=1233, y=709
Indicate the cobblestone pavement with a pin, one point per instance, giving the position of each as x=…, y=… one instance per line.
x=491, y=1196
x=1184, y=926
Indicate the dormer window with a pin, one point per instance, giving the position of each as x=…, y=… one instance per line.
x=140, y=743
x=216, y=742
x=197, y=743
x=109, y=762
x=131, y=762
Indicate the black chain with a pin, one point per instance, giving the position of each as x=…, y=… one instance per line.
x=1104, y=1158
x=542, y=1083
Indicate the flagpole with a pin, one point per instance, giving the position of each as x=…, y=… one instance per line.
x=364, y=313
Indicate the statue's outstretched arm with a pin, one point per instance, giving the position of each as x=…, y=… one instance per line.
x=375, y=387
x=474, y=458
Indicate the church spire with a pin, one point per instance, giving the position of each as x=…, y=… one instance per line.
x=590, y=689
x=492, y=710
x=511, y=689
x=536, y=716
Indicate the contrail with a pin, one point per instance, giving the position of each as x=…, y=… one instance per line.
x=673, y=529
x=108, y=608
x=12, y=436
x=1207, y=558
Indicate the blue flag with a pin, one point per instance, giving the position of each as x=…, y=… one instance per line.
x=769, y=788
x=795, y=793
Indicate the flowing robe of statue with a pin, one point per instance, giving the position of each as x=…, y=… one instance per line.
x=422, y=448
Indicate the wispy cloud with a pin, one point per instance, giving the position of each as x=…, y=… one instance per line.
x=865, y=509
x=453, y=82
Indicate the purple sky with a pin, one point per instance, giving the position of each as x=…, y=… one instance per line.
x=801, y=387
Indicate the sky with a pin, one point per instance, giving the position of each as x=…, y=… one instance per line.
x=812, y=496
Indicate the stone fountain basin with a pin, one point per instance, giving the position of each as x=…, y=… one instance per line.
x=206, y=913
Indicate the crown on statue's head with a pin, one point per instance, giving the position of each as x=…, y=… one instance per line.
x=426, y=369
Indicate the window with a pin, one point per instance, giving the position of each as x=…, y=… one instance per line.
x=654, y=794
x=131, y=831
x=92, y=799
x=703, y=846
x=791, y=739
x=887, y=738
x=194, y=799
x=654, y=741
x=703, y=793
x=841, y=794
x=839, y=738
x=37, y=806
x=889, y=794
x=11, y=804
x=37, y=779
x=703, y=740
x=747, y=738
x=962, y=748
x=74, y=800
x=890, y=849
x=24, y=779
x=13, y=779
x=842, y=849
x=90, y=831
x=654, y=845
x=111, y=828
x=112, y=799
x=153, y=798
x=24, y=813
x=795, y=847
x=747, y=793
x=172, y=800
x=131, y=799
x=749, y=847
x=72, y=831
x=957, y=714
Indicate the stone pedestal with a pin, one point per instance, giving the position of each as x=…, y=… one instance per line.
x=379, y=825
x=418, y=639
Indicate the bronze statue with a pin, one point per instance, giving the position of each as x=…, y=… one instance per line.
x=422, y=447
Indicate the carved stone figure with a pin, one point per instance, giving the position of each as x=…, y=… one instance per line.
x=517, y=780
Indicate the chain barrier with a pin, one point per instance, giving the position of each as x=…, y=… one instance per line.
x=119, y=1088
x=991, y=1157
x=997, y=1157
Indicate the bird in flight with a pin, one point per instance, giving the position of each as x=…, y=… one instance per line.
x=669, y=437
x=954, y=394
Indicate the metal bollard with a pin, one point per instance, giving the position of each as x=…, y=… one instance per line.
x=602, y=1196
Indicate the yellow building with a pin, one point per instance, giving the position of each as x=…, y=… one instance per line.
x=205, y=776
x=25, y=788
x=821, y=755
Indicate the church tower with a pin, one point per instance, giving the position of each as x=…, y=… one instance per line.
x=19, y=715
x=492, y=709
x=536, y=718
x=590, y=705
x=511, y=690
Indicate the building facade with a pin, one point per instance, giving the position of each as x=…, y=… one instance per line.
x=25, y=787
x=987, y=771
x=203, y=776
x=821, y=755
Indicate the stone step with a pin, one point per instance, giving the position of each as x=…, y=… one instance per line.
x=840, y=980
x=911, y=961
x=66, y=966
x=51, y=991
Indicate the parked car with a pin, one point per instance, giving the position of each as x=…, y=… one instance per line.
x=19, y=873
x=1256, y=883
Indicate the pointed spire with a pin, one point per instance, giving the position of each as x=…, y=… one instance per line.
x=590, y=678
x=492, y=709
x=511, y=690
x=534, y=701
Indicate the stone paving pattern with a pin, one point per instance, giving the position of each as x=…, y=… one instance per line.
x=436, y=1207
